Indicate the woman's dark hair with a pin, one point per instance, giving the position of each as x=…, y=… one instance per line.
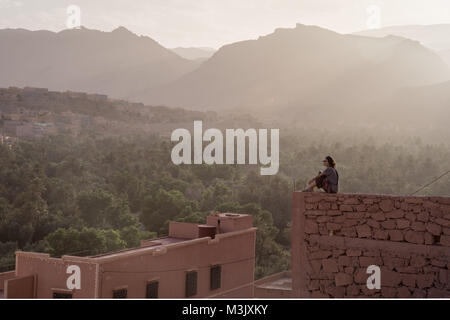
x=331, y=161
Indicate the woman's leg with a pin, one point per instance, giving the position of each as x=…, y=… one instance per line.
x=310, y=187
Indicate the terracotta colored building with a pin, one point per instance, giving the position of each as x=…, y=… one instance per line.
x=212, y=260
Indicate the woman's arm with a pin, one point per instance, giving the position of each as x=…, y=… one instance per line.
x=318, y=176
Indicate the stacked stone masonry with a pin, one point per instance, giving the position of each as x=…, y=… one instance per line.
x=407, y=237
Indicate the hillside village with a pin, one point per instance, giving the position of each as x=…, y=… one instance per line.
x=31, y=113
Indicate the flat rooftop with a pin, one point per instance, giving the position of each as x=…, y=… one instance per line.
x=279, y=281
x=151, y=243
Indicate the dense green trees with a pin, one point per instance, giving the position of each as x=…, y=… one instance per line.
x=91, y=195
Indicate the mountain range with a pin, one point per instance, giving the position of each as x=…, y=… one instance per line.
x=302, y=69
x=435, y=37
x=299, y=73
x=194, y=53
x=115, y=63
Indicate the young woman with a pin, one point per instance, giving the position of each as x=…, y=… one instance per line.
x=327, y=180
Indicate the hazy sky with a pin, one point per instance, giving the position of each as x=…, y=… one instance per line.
x=217, y=22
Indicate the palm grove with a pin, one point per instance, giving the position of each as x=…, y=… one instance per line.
x=90, y=195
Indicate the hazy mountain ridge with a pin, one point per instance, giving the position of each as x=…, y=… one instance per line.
x=303, y=68
x=194, y=53
x=300, y=74
x=435, y=37
x=116, y=63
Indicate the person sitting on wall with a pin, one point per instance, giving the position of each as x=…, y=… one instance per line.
x=328, y=180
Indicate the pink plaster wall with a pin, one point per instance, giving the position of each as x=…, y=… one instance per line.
x=51, y=273
x=233, y=251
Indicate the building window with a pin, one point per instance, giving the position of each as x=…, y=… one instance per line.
x=120, y=293
x=216, y=274
x=191, y=284
x=61, y=295
x=152, y=289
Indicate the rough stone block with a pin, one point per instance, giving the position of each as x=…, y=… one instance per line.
x=373, y=223
x=395, y=235
x=403, y=292
x=350, y=223
x=320, y=254
x=319, y=295
x=388, y=292
x=418, y=226
x=409, y=280
x=343, y=279
x=371, y=253
x=418, y=261
x=368, y=261
x=445, y=241
x=434, y=229
x=423, y=217
x=323, y=219
x=414, y=237
x=364, y=231
x=329, y=266
x=338, y=252
x=403, y=224
x=352, y=291
x=379, y=216
x=333, y=213
x=390, y=278
x=333, y=226
x=438, y=293
x=381, y=234
x=392, y=262
x=361, y=208
x=346, y=208
x=388, y=224
x=443, y=222
x=395, y=214
x=386, y=205
x=444, y=277
x=316, y=265
x=428, y=238
x=425, y=280
x=354, y=215
x=336, y=292
x=353, y=253
x=314, y=213
x=349, y=232
x=418, y=293
x=311, y=227
x=324, y=206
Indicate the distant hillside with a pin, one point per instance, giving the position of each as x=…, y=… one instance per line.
x=306, y=69
x=193, y=53
x=426, y=106
x=116, y=63
x=32, y=112
x=435, y=37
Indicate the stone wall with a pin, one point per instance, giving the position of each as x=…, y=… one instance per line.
x=336, y=237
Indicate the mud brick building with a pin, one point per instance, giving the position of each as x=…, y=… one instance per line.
x=336, y=237
x=211, y=260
